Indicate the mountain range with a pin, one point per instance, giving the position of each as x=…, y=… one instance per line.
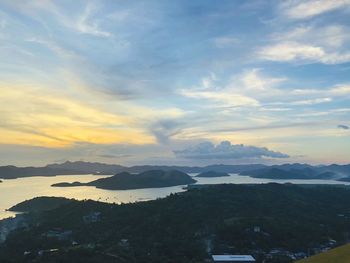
x=284, y=171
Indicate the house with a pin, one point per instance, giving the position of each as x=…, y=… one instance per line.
x=232, y=258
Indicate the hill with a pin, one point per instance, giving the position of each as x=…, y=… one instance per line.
x=284, y=171
x=148, y=179
x=336, y=255
x=212, y=174
x=272, y=222
x=295, y=171
x=40, y=204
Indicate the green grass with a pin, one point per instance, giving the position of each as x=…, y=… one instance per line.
x=337, y=255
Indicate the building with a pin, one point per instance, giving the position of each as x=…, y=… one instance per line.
x=232, y=258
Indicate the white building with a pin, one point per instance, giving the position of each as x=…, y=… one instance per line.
x=233, y=258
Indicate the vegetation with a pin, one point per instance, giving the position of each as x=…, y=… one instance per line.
x=284, y=171
x=40, y=204
x=148, y=179
x=336, y=255
x=212, y=174
x=189, y=226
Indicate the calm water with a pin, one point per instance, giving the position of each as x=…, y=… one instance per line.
x=18, y=190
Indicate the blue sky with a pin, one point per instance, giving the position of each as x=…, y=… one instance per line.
x=175, y=82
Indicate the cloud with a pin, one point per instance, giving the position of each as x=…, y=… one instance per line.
x=229, y=98
x=164, y=129
x=226, y=150
x=294, y=51
x=44, y=118
x=330, y=36
x=326, y=44
x=241, y=90
x=311, y=101
x=344, y=127
x=253, y=80
x=88, y=26
x=301, y=9
x=114, y=156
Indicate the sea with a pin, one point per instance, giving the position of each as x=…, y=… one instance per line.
x=14, y=191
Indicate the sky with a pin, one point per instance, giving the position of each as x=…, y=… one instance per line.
x=174, y=82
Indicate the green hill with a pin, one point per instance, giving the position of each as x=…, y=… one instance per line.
x=337, y=255
x=148, y=179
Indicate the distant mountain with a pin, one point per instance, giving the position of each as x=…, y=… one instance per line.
x=12, y=172
x=80, y=167
x=344, y=179
x=284, y=171
x=148, y=179
x=212, y=174
x=66, y=168
x=87, y=167
x=297, y=171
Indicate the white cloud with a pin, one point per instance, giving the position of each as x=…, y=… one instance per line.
x=89, y=26
x=309, y=44
x=304, y=9
x=341, y=90
x=253, y=80
x=241, y=90
x=209, y=81
x=330, y=36
x=289, y=51
x=311, y=101
x=229, y=98
x=226, y=150
x=293, y=51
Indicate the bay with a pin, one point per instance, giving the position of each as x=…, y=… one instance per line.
x=17, y=190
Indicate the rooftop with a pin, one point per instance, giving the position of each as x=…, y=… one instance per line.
x=233, y=258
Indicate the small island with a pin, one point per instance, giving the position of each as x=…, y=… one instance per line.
x=40, y=204
x=65, y=184
x=280, y=174
x=126, y=181
x=344, y=179
x=212, y=174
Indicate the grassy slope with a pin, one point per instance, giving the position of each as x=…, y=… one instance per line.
x=337, y=255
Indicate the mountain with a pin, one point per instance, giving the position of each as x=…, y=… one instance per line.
x=40, y=204
x=88, y=167
x=298, y=171
x=285, y=171
x=12, y=172
x=212, y=174
x=148, y=179
x=80, y=167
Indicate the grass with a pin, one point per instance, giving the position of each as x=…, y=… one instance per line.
x=337, y=255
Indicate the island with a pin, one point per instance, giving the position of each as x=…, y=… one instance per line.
x=280, y=172
x=212, y=174
x=40, y=204
x=148, y=179
x=344, y=179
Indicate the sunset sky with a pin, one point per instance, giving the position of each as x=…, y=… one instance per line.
x=174, y=82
